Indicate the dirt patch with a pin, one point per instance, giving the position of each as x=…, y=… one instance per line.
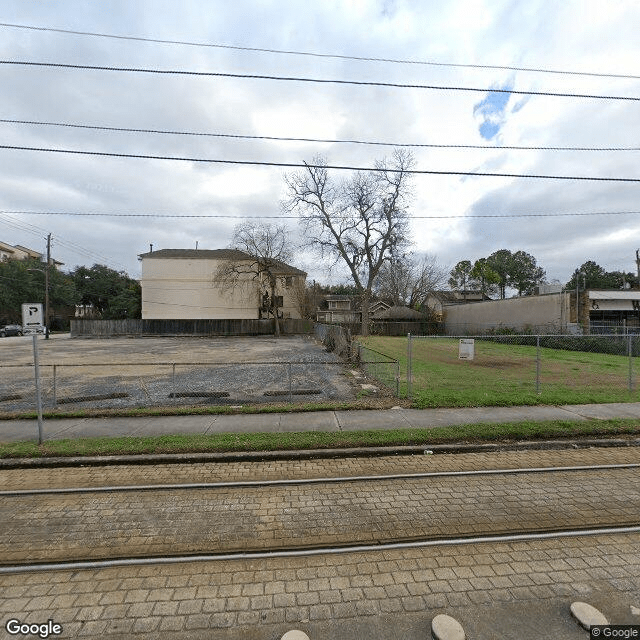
x=501, y=364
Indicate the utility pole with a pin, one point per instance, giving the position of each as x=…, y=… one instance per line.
x=46, y=289
x=638, y=265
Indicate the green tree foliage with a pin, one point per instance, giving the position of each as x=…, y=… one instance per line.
x=501, y=263
x=339, y=290
x=525, y=273
x=592, y=276
x=113, y=293
x=460, y=279
x=23, y=281
x=517, y=270
x=497, y=273
x=484, y=277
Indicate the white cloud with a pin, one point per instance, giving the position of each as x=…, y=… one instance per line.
x=578, y=34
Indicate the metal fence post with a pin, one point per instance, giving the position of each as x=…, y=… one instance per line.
x=173, y=380
x=397, y=378
x=630, y=349
x=55, y=395
x=538, y=365
x=290, y=383
x=38, y=395
x=408, y=365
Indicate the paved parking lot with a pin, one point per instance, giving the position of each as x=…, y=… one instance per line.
x=121, y=372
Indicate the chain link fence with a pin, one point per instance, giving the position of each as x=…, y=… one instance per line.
x=522, y=369
x=374, y=364
x=124, y=385
x=69, y=383
x=378, y=366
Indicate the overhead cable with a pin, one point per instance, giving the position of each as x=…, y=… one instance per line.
x=322, y=55
x=253, y=76
x=108, y=214
x=322, y=140
x=305, y=165
x=58, y=241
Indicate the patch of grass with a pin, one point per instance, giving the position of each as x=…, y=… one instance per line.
x=137, y=412
x=229, y=442
x=505, y=374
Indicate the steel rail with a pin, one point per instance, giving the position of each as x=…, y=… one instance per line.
x=307, y=481
x=289, y=553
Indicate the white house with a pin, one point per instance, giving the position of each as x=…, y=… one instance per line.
x=183, y=284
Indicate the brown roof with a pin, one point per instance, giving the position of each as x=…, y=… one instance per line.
x=399, y=313
x=214, y=254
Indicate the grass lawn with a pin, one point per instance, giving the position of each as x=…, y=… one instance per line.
x=505, y=374
x=227, y=442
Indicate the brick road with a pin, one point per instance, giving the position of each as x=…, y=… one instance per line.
x=263, y=599
x=380, y=591
x=100, y=476
x=60, y=527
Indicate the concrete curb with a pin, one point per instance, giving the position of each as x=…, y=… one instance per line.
x=306, y=454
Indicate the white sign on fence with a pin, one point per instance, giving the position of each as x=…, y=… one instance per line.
x=32, y=318
x=466, y=349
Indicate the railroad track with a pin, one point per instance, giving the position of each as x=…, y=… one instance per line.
x=88, y=527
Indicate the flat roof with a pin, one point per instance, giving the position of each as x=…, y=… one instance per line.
x=625, y=294
x=215, y=254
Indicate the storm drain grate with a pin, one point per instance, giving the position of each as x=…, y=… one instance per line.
x=106, y=396
x=7, y=398
x=295, y=392
x=199, y=394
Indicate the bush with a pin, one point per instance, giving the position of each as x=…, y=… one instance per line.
x=338, y=341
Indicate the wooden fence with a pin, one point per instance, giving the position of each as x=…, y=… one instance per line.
x=114, y=328
x=392, y=328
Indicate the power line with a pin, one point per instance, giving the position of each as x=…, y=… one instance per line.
x=37, y=231
x=289, y=139
x=294, y=217
x=293, y=165
x=244, y=76
x=321, y=55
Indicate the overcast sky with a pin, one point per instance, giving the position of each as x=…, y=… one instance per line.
x=588, y=36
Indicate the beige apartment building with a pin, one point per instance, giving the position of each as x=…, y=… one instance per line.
x=183, y=284
x=18, y=252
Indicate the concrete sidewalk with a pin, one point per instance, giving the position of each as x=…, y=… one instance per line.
x=16, y=430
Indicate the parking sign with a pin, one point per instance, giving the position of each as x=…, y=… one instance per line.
x=32, y=318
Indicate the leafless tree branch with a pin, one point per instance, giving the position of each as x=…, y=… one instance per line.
x=361, y=221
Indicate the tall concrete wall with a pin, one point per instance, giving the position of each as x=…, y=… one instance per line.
x=544, y=314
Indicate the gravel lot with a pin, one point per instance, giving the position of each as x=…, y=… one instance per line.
x=125, y=372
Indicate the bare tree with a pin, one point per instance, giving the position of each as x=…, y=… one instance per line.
x=361, y=221
x=307, y=297
x=409, y=281
x=257, y=260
